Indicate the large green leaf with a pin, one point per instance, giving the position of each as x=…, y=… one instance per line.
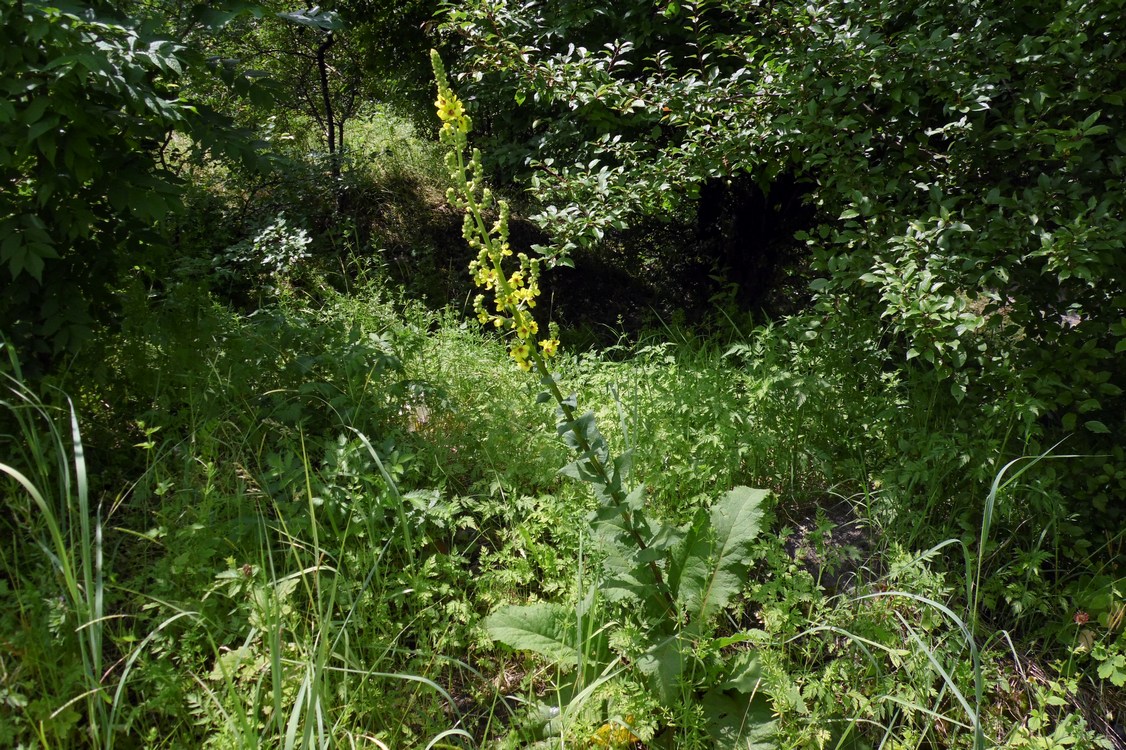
x=713, y=573
x=664, y=664
x=546, y=629
x=689, y=566
x=744, y=674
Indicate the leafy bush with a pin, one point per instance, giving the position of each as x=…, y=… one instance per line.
x=963, y=168
x=93, y=104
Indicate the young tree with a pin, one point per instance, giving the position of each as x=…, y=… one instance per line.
x=326, y=63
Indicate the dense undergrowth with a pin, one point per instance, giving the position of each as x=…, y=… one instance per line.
x=283, y=503
x=335, y=494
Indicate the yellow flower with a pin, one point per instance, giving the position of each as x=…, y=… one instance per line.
x=484, y=277
x=520, y=353
x=615, y=734
x=450, y=108
x=550, y=347
x=526, y=326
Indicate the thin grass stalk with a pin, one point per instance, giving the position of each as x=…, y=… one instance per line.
x=975, y=711
x=987, y=515
x=396, y=496
x=454, y=732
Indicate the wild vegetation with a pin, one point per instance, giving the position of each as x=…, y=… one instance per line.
x=666, y=375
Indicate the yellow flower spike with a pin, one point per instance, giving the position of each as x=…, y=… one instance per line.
x=512, y=292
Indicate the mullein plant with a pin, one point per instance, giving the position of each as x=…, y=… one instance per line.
x=514, y=297
x=669, y=582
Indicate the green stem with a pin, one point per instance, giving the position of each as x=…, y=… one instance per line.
x=616, y=494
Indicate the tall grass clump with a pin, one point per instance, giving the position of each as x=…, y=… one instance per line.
x=61, y=596
x=265, y=582
x=272, y=497
x=48, y=503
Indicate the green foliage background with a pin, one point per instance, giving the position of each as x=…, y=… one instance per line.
x=266, y=484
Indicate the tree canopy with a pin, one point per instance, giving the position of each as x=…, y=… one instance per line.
x=965, y=161
x=92, y=103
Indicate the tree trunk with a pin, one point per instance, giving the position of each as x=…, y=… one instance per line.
x=330, y=121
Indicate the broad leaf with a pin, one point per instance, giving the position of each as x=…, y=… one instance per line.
x=663, y=664
x=325, y=20
x=625, y=576
x=689, y=568
x=739, y=723
x=744, y=674
x=546, y=629
x=736, y=522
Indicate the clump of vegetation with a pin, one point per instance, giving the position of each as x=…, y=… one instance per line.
x=300, y=445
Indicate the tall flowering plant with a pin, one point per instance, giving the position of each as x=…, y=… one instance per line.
x=513, y=298
x=675, y=579
x=513, y=294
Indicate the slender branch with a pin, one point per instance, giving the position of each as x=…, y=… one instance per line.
x=322, y=67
